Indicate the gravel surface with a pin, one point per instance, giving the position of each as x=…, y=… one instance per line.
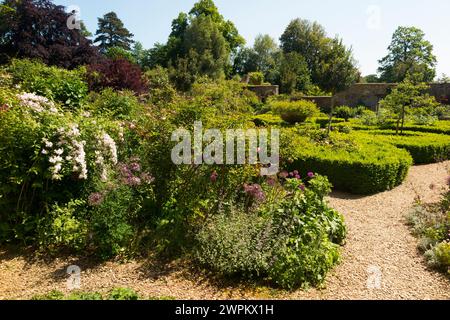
x=380, y=259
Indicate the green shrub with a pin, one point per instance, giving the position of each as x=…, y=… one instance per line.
x=115, y=294
x=324, y=121
x=352, y=164
x=236, y=244
x=256, y=78
x=425, y=148
x=291, y=241
x=368, y=118
x=123, y=294
x=117, y=105
x=67, y=87
x=267, y=120
x=344, y=112
x=294, y=111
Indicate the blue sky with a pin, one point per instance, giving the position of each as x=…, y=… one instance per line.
x=366, y=25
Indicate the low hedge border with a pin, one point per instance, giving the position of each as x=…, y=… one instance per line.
x=425, y=148
x=369, y=168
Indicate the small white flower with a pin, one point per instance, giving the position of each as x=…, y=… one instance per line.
x=59, y=152
x=44, y=151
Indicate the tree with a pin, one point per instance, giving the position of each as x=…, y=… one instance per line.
x=308, y=39
x=207, y=52
x=293, y=73
x=226, y=27
x=112, y=33
x=407, y=97
x=37, y=29
x=266, y=50
x=409, y=53
x=371, y=78
x=330, y=63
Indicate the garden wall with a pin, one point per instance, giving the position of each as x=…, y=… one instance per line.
x=369, y=94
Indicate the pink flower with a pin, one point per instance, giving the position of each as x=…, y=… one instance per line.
x=284, y=174
x=302, y=187
x=95, y=199
x=214, y=177
x=311, y=175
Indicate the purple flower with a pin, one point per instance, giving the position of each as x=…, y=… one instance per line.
x=284, y=174
x=302, y=187
x=254, y=191
x=95, y=199
x=271, y=182
x=214, y=177
x=147, y=178
x=296, y=173
x=134, y=181
x=136, y=167
x=311, y=175
x=297, y=177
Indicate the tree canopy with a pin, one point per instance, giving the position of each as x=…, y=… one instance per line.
x=409, y=53
x=112, y=33
x=38, y=29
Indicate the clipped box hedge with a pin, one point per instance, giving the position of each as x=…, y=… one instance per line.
x=425, y=148
x=367, y=168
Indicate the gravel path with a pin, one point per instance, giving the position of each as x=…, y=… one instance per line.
x=380, y=259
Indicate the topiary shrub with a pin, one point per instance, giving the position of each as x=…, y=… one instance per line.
x=344, y=112
x=353, y=164
x=425, y=148
x=294, y=111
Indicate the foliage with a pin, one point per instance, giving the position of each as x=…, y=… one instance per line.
x=374, y=166
x=344, y=112
x=112, y=33
x=115, y=294
x=330, y=63
x=256, y=78
x=62, y=86
x=62, y=185
x=291, y=241
x=113, y=104
x=120, y=53
x=295, y=111
x=37, y=29
x=119, y=74
x=409, y=53
x=293, y=74
x=406, y=98
x=425, y=148
x=431, y=224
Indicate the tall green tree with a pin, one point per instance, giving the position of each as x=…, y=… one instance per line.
x=330, y=63
x=207, y=52
x=112, y=33
x=293, y=73
x=409, y=53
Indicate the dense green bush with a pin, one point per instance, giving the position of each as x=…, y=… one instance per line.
x=59, y=85
x=352, y=164
x=425, y=148
x=65, y=179
x=267, y=120
x=294, y=111
x=117, y=105
x=291, y=241
x=256, y=78
x=344, y=112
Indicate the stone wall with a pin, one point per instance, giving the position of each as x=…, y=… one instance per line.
x=264, y=91
x=370, y=94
